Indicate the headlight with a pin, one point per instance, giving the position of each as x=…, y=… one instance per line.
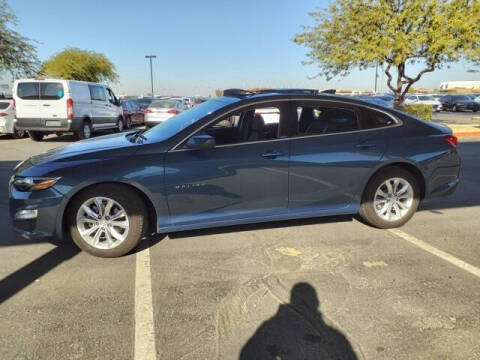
x=34, y=183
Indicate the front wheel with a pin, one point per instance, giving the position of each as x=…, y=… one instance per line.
x=107, y=220
x=390, y=198
x=128, y=122
x=119, y=125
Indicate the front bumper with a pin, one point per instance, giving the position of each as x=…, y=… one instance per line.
x=47, y=205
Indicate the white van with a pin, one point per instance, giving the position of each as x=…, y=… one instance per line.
x=44, y=106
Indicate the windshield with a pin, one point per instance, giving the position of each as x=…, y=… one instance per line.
x=426, y=97
x=175, y=124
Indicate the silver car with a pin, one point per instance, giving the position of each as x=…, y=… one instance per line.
x=7, y=124
x=160, y=110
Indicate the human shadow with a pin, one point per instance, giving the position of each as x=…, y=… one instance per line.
x=297, y=331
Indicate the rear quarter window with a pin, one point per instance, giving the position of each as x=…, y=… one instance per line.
x=372, y=119
x=28, y=91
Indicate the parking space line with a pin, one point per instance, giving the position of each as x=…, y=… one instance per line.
x=144, y=347
x=433, y=250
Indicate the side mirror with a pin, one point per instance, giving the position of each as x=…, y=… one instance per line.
x=201, y=142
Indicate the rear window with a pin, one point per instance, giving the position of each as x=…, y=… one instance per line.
x=40, y=91
x=4, y=105
x=165, y=104
x=28, y=91
x=51, y=91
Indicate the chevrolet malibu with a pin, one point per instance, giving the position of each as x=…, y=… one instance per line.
x=220, y=163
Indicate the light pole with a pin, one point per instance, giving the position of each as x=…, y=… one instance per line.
x=376, y=76
x=151, y=70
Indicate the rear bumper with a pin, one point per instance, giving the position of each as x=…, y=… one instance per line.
x=444, y=176
x=49, y=125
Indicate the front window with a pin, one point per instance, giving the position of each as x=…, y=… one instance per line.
x=177, y=123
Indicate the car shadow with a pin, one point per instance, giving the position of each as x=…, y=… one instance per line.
x=298, y=331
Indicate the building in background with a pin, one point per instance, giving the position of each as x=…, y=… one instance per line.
x=460, y=86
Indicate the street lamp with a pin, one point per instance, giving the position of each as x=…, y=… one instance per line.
x=151, y=71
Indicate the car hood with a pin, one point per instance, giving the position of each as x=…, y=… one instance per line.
x=107, y=142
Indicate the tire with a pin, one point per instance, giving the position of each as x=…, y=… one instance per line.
x=367, y=209
x=136, y=217
x=85, y=131
x=36, y=135
x=128, y=122
x=475, y=109
x=18, y=134
x=120, y=124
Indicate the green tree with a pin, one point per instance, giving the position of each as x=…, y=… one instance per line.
x=395, y=33
x=77, y=64
x=218, y=92
x=17, y=53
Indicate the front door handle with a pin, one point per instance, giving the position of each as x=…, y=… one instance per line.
x=272, y=154
x=46, y=104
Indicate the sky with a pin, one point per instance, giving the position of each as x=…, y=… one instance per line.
x=200, y=45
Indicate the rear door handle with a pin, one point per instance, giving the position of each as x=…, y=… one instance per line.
x=366, y=145
x=272, y=154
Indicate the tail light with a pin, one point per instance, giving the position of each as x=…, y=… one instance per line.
x=3, y=114
x=69, y=109
x=452, y=140
x=14, y=109
x=173, y=111
x=147, y=111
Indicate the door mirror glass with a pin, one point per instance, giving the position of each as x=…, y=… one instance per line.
x=202, y=142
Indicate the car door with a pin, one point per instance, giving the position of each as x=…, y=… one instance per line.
x=53, y=105
x=27, y=98
x=331, y=156
x=100, y=113
x=112, y=107
x=242, y=177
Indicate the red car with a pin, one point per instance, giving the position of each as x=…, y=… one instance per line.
x=132, y=112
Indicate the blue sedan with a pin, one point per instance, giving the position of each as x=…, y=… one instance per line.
x=241, y=158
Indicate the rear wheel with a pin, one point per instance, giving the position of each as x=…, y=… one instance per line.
x=107, y=220
x=36, y=135
x=390, y=198
x=85, y=132
x=18, y=134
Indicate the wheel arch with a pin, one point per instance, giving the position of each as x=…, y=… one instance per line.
x=411, y=168
x=151, y=210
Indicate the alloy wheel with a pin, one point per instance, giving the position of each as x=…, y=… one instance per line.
x=393, y=199
x=102, y=223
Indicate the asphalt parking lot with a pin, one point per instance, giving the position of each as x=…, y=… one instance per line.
x=459, y=118
x=312, y=289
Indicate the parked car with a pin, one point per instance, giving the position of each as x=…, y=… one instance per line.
x=219, y=164
x=198, y=100
x=132, y=113
x=422, y=99
x=144, y=102
x=45, y=106
x=459, y=103
x=7, y=123
x=161, y=110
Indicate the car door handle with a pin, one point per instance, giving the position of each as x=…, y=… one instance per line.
x=46, y=104
x=366, y=145
x=272, y=154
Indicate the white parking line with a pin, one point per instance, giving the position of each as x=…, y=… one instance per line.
x=441, y=254
x=144, y=326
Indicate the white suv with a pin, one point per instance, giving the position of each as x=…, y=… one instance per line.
x=424, y=100
x=44, y=106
